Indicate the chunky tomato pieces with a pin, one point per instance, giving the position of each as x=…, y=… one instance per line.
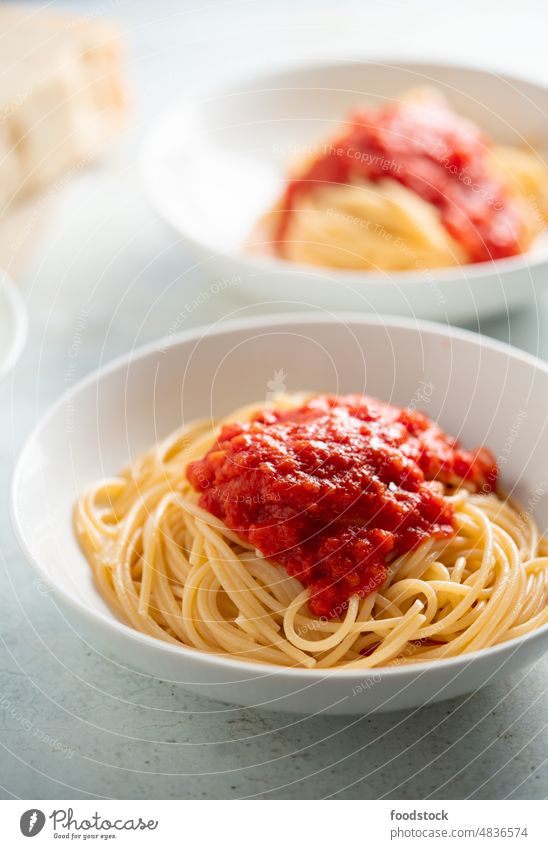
x=336, y=488
x=431, y=150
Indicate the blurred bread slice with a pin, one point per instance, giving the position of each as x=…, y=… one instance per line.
x=62, y=100
x=61, y=94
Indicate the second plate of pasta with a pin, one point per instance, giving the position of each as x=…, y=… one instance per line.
x=405, y=188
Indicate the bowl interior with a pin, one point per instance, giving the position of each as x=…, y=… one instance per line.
x=480, y=391
x=212, y=169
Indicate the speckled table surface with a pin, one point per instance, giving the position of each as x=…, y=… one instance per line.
x=72, y=725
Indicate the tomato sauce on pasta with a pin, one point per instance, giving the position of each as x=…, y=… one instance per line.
x=332, y=488
x=439, y=155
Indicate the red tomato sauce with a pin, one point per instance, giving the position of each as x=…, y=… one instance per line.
x=335, y=489
x=429, y=149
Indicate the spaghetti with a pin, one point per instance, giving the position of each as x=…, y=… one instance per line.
x=408, y=184
x=173, y=570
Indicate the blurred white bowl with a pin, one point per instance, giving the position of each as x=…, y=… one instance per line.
x=480, y=390
x=212, y=168
x=13, y=323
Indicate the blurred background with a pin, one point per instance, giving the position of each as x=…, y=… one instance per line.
x=99, y=274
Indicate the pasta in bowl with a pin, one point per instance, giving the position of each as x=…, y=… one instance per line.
x=326, y=532
x=409, y=184
x=423, y=608
x=434, y=227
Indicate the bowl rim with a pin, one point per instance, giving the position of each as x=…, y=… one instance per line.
x=15, y=302
x=259, y=263
x=211, y=659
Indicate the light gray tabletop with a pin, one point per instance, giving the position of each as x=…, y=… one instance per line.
x=107, y=276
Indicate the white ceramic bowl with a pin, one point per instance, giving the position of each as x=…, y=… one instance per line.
x=210, y=169
x=478, y=389
x=13, y=323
